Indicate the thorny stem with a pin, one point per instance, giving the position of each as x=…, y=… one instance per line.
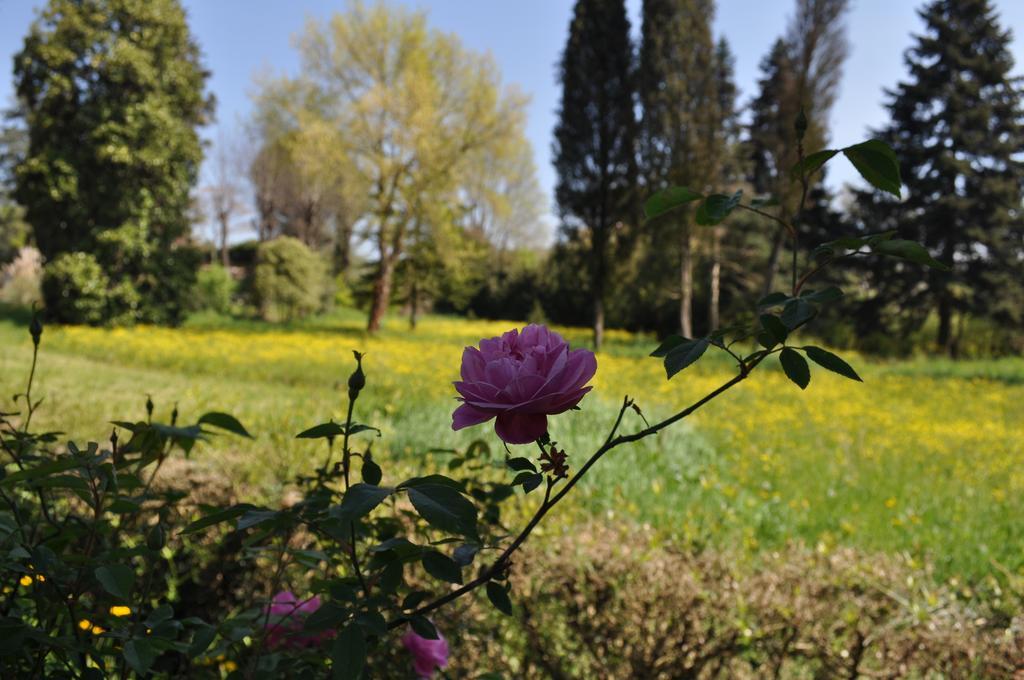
x=346, y=458
x=612, y=441
x=800, y=210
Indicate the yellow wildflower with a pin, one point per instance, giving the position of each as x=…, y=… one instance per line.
x=120, y=610
x=25, y=580
x=85, y=624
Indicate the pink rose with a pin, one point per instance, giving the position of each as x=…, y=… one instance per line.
x=520, y=379
x=427, y=655
x=287, y=617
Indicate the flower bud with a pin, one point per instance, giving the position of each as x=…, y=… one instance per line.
x=356, y=381
x=156, y=538
x=149, y=407
x=35, y=328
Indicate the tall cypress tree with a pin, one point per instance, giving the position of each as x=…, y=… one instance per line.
x=956, y=125
x=595, y=141
x=680, y=122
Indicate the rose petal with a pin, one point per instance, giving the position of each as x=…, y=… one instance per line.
x=467, y=416
x=520, y=428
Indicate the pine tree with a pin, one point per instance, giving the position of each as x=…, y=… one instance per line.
x=112, y=95
x=595, y=141
x=680, y=121
x=956, y=125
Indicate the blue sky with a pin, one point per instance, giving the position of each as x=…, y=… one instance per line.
x=239, y=38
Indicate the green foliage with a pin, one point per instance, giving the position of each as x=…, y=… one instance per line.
x=214, y=290
x=111, y=94
x=595, y=142
x=288, y=279
x=77, y=288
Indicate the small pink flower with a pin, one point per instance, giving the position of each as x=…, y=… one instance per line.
x=427, y=655
x=287, y=618
x=520, y=379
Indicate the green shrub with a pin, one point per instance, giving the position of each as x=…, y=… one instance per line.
x=76, y=289
x=289, y=279
x=214, y=290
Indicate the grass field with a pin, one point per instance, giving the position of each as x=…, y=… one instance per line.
x=923, y=459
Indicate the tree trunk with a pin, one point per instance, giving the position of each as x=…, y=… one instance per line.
x=944, y=341
x=225, y=257
x=414, y=303
x=716, y=278
x=686, y=281
x=598, y=321
x=381, y=292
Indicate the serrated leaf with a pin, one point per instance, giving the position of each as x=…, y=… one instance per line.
x=360, y=499
x=775, y=329
x=811, y=164
x=422, y=626
x=521, y=464
x=498, y=596
x=348, y=654
x=441, y=567
x=224, y=421
x=255, y=517
x=322, y=431
x=716, y=208
x=772, y=300
x=684, y=355
x=371, y=472
x=669, y=199
x=445, y=508
x=796, y=367
x=877, y=163
x=828, y=360
x=908, y=250
x=796, y=313
x=116, y=579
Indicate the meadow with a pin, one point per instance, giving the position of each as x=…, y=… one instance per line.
x=921, y=461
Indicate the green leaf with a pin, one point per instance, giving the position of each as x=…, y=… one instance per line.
x=669, y=199
x=371, y=472
x=498, y=596
x=716, y=208
x=140, y=655
x=796, y=367
x=322, y=431
x=685, y=354
x=348, y=654
x=826, y=359
x=224, y=422
x=255, y=517
x=422, y=626
x=116, y=579
x=217, y=517
x=521, y=464
x=811, y=164
x=441, y=567
x=772, y=300
x=796, y=313
x=877, y=163
x=445, y=508
x=356, y=428
x=908, y=250
x=774, y=328
x=360, y=499
x=668, y=344
x=830, y=294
